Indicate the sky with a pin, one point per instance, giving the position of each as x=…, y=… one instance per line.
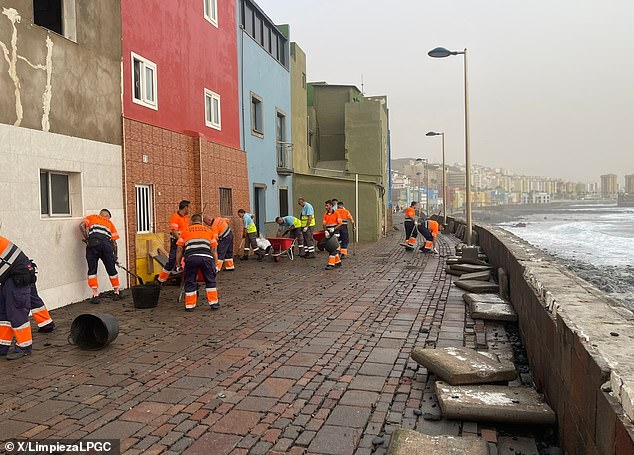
x=551, y=83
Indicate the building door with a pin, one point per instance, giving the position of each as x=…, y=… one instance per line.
x=259, y=207
x=283, y=201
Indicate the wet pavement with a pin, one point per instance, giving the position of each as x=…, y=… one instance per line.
x=298, y=360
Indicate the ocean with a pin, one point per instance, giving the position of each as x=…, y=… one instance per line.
x=594, y=240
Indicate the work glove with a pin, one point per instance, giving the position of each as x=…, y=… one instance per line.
x=327, y=234
x=305, y=229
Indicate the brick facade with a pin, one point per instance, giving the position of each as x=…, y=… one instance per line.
x=173, y=168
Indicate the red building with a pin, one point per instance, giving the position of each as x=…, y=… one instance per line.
x=181, y=130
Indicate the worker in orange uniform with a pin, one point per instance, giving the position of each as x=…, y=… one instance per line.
x=178, y=222
x=429, y=230
x=199, y=247
x=18, y=295
x=332, y=222
x=101, y=238
x=344, y=233
x=410, y=226
x=222, y=230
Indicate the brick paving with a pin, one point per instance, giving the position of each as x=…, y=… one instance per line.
x=298, y=360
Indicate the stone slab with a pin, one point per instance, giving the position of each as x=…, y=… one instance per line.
x=483, y=298
x=463, y=365
x=492, y=311
x=450, y=271
x=503, y=280
x=519, y=445
x=410, y=442
x=493, y=403
x=484, y=275
x=469, y=268
x=476, y=286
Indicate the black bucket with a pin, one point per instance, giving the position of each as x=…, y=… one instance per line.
x=145, y=296
x=93, y=331
x=331, y=244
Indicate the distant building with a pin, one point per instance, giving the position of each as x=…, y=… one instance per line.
x=347, y=135
x=609, y=186
x=629, y=184
x=536, y=198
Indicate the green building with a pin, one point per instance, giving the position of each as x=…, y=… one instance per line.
x=340, y=136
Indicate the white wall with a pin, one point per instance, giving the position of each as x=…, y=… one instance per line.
x=55, y=244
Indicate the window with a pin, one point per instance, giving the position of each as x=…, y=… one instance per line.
x=259, y=34
x=249, y=24
x=212, y=109
x=281, y=50
x=274, y=42
x=54, y=194
x=256, y=115
x=144, y=209
x=48, y=14
x=226, y=202
x=57, y=16
x=144, y=82
x=211, y=11
x=283, y=193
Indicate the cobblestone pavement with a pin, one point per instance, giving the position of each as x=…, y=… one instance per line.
x=298, y=360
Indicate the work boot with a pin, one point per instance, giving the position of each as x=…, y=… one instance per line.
x=310, y=255
x=329, y=267
x=116, y=297
x=214, y=306
x=338, y=264
x=342, y=256
x=189, y=309
x=18, y=354
x=245, y=257
x=48, y=328
x=94, y=300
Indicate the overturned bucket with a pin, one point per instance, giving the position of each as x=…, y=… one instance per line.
x=93, y=331
x=145, y=295
x=331, y=244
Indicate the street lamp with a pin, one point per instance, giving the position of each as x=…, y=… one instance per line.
x=418, y=160
x=441, y=52
x=418, y=183
x=444, y=188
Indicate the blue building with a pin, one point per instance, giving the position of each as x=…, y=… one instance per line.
x=265, y=116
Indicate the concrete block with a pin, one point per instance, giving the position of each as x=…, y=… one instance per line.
x=484, y=275
x=477, y=286
x=492, y=311
x=483, y=298
x=410, y=442
x=493, y=403
x=470, y=252
x=524, y=446
x=470, y=268
x=463, y=365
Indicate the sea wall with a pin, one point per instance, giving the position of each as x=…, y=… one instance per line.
x=579, y=343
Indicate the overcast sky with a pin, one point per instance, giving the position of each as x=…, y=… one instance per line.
x=551, y=82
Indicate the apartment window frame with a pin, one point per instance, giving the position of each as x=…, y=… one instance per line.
x=210, y=121
x=257, y=115
x=226, y=201
x=47, y=195
x=210, y=11
x=145, y=64
x=283, y=200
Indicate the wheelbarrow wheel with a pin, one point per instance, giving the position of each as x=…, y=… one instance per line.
x=276, y=258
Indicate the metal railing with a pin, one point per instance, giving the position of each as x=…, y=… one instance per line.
x=284, y=158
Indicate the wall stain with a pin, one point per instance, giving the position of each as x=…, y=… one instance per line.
x=12, y=59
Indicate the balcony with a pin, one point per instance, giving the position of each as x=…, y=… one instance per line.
x=284, y=158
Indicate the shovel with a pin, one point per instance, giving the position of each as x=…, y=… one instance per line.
x=130, y=273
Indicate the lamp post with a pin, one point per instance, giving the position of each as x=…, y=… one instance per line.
x=418, y=186
x=441, y=52
x=424, y=160
x=444, y=187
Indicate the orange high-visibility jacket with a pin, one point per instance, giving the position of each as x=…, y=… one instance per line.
x=220, y=227
x=197, y=240
x=433, y=227
x=345, y=214
x=178, y=223
x=10, y=255
x=410, y=214
x=332, y=219
x=100, y=226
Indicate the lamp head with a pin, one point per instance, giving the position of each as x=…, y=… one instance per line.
x=440, y=52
